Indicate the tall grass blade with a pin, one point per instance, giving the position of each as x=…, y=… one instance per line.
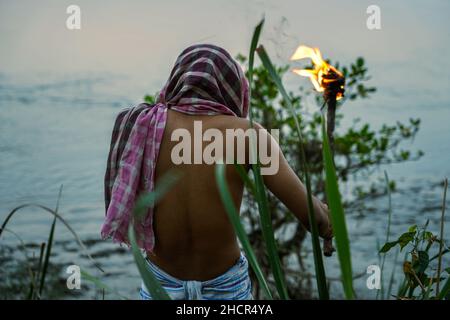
x=27, y=262
x=100, y=284
x=55, y=214
x=49, y=245
x=445, y=290
x=391, y=279
x=30, y=291
x=156, y=290
x=142, y=204
x=260, y=190
x=439, y=254
x=426, y=295
x=388, y=231
x=337, y=217
x=269, y=237
x=35, y=293
x=150, y=199
x=251, y=59
x=318, y=261
x=238, y=227
x=25, y=254
x=401, y=292
x=245, y=177
x=441, y=243
x=268, y=234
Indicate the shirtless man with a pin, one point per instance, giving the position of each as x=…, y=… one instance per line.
x=195, y=253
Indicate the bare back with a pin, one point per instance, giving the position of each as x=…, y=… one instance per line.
x=194, y=237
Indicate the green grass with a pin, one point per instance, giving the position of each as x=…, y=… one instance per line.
x=16, y=210
x=317, y=252
x=441, y=244
x=260, y=190
x=418, y=271
x=337, y=217
x=388, y=231
x=233, y=215
x=38, y=277
x=156, y=290
x=143, y=203
x=49, y=245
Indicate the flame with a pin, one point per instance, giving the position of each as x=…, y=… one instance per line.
x=322, y=69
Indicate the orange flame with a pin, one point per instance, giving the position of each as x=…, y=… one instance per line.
x=319, y=76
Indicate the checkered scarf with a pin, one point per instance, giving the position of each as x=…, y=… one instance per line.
x=205, y=80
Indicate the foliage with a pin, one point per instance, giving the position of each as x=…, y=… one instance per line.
x=261, y=192
x=239, y=228
x=358, y=151
x=418, y=268
x=337, y=217
x=37, y=273
x=315, y=241
x=149, y=99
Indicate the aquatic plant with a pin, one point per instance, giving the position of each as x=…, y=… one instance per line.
x=419, y=272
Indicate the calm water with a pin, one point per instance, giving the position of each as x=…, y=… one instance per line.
x=60, y=91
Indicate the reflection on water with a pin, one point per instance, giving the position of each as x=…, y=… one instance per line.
x=60, y=91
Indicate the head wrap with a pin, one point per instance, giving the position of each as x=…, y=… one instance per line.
x=205, y=80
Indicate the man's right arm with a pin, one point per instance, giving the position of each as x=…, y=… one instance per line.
x=289, y=189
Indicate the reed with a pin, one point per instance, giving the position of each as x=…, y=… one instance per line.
x=37, y=279
x=100, y=284
x=49, y=245
x=388, y=231
x=417, y=264
x=260, y=189
x=318, y=261
x=337, y=217
x=333, y=195
x=149, y=200
x=441, y=238
x=57, y=216
x=156, y=290
x=233, y=215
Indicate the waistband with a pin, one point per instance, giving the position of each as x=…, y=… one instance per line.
x=232, y=284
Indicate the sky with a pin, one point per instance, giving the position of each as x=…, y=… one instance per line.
x=143, y=38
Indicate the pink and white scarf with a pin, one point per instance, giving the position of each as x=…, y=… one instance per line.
x=205, y=80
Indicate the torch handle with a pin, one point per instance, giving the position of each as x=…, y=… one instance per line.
x=331, y=115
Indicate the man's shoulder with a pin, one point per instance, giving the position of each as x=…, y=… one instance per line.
x=230, y=122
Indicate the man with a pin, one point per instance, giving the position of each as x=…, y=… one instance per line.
x=190, y=243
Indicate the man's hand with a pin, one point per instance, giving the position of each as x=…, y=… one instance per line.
x=324, y=225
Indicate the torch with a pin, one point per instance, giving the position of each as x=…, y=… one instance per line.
x=326, y=79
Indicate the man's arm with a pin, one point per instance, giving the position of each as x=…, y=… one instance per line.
x=288, y=188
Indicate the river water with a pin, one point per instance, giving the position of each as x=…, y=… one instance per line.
x=60, y=90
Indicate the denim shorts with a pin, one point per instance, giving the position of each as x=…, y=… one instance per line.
x=234, y=284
